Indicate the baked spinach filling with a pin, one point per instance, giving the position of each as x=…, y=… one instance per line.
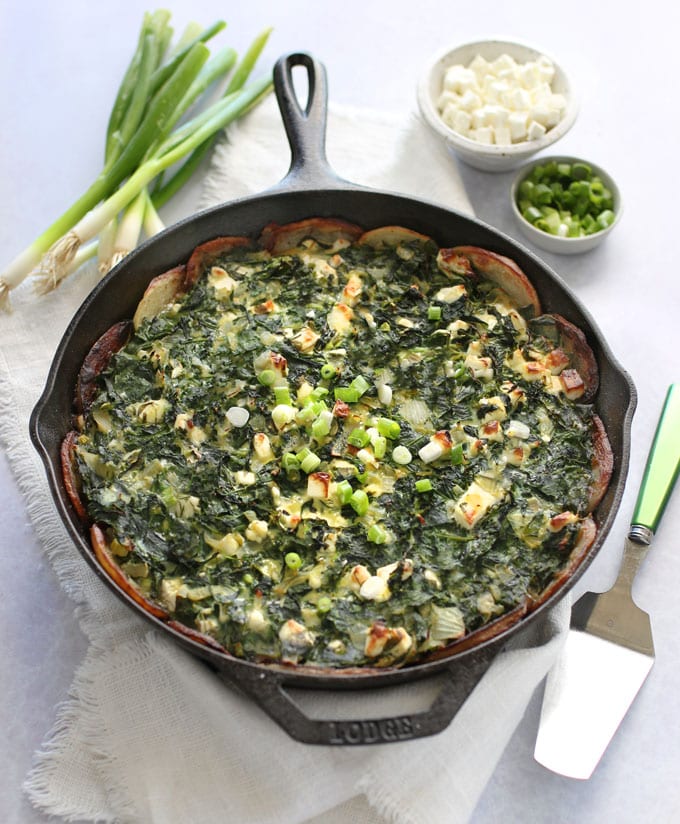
x=390, y=483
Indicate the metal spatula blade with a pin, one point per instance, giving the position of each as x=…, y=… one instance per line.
x=609, y=649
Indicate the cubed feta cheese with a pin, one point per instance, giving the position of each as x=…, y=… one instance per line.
x=470, y=101
x=498, y=102
x=459, y=79
x=502, y=136
x=520, y=100
x=450, y=294
x=447, y=98
x=495, y=116
x=517, y=124
x=503, y=63
x=541, y=93
x=528, y=75
x=484, y=135
x=535, y=130
x=496, y=90
x=480, y=66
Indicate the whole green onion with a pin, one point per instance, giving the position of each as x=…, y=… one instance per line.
x=143, y=140
x=95, y=220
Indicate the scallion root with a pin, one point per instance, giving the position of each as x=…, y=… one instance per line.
x=5, y=304
x=56, y=264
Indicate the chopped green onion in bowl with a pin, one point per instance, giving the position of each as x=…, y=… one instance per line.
x=565, y=204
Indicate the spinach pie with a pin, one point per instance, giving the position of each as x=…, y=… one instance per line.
x=337, y=448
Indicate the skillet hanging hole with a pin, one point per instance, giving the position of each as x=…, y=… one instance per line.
x=302, y=88
x=301, y=92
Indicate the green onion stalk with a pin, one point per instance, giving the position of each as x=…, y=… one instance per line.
x=142, y=214
x=221, y=114
x=125, y=236
x=55, y=242
x=143, y=140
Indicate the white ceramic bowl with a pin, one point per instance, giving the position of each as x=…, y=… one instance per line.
x=490, y=158
x=555, y=243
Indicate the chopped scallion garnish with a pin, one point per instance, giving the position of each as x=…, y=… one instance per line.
x=290, y=462
x=359, y=502
x=310, y=462
x=282, y=394
x=267, y=377
x=376, y=534
x=322, y=425
x=318, y=393
x=358, y=437
x=344, y=491
x=346, y=393
x=565, y=199
x=402, y=455
x=360, y=384
x=457, y=454
x=388, y=428
x=293, y=561
x=379, y=444
x=324, y=604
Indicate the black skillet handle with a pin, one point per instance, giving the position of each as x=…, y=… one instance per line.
x=267, y=689
x=305, y=127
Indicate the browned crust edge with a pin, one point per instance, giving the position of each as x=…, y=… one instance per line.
x=584, y=540
x=603, y=463
x=208, y=252
x=392, y=236
x=70, y=476
x=573, y=342
x=161, y=291
x=103, y=555
x=198, y=637
x=277, y=239
x=478, y=636
x=497, y=268
x=96, y=361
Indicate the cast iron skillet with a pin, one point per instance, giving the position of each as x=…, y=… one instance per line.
x=312, y=189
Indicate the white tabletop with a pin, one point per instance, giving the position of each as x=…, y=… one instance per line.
x=60, y=64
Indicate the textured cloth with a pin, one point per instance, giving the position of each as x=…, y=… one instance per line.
x=149, y=733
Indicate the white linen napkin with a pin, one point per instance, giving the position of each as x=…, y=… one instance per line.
x=149, y=734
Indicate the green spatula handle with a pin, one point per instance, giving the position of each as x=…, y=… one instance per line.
x=662, y=467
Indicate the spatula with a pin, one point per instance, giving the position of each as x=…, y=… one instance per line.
x=609, y=649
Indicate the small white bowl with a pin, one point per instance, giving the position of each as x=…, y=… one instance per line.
x=555, y=243
x=490, y=158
